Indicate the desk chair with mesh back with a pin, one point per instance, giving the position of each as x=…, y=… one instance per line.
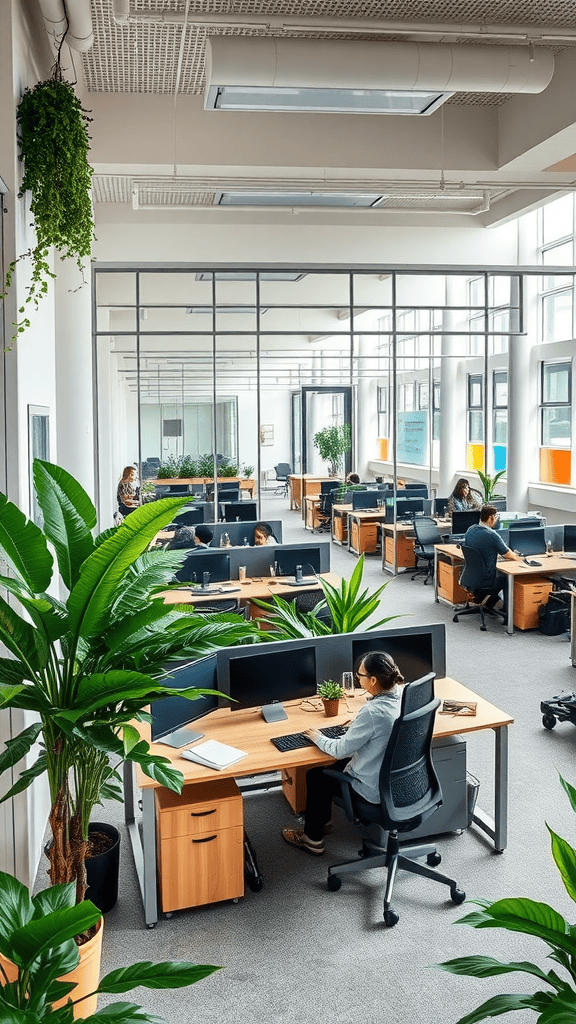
x=471, y=579
x=282, y=470
x=409, y=794
x=327, y=499
x=427, y=535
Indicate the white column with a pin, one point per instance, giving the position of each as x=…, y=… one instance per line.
x=520, y=413
x=452, y=423
x=367, y=417
x=74, y=374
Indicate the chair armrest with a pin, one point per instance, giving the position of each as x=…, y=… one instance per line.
x=344, y=781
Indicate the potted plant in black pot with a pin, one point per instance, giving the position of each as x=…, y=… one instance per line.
x=88, y=665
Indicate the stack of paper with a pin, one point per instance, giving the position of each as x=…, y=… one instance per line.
x=214, y=754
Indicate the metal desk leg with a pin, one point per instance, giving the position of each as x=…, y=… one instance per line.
x=436, y=574
x=143, y=850
x=510, y=623
x=573, y=629
x=497, y=827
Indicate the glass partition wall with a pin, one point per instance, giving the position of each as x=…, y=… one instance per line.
x=224, y=373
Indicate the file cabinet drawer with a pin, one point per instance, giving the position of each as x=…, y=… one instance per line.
x=198, y=809
x=196, y=870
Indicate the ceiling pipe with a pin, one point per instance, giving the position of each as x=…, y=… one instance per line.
x=74, y=15
x=123, y=14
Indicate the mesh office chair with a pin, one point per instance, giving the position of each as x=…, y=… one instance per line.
x=327, y=499
x=427, y=535
x=282, y=470
x=409, y=794
x=471, y=577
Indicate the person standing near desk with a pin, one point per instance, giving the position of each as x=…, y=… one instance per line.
x=484, y=538
x=366, y=741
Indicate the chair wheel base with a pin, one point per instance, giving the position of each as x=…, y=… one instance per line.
x=433, y=859
x=457, y=896
x=333, y=883
x=390, y=918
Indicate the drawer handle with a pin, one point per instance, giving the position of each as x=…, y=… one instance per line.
x=206, y=839
x=202, y=814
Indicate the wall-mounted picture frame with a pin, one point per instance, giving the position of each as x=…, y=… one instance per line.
x=267, y=434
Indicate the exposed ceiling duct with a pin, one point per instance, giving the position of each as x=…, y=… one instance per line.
x=74, y=15
x=265, y=73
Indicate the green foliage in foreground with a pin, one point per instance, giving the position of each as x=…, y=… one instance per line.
x=555, y=999
x=37, y=935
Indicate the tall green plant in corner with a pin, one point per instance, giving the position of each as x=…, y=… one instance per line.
x=333, y=443
x=54, y=145
x=90, y=664
x=555, y=999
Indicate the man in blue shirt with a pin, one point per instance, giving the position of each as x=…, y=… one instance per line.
x=489, y=544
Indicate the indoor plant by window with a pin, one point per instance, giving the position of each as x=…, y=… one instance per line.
x=89, y=665
x=489, y=485
x=54, y=145
x=333, y=443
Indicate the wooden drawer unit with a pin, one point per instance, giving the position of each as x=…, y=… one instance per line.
x=448, y=585
x=294, y=787
x=200, y=839
x=364, y=537
x=528, y=596
x=405, y=551
x=341, y=528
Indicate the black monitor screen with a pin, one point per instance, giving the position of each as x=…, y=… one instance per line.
x=257, y=679
x=416, y=491
x=406, y=507
x=245, y=511
x=570, y=537
x=328, y=485
x=411, y=652
x=199, y=562
x=364, y=499
x=308, y=557
x=528, y=542
x=190, y=516
x=172, y=713
x=441, y=506
x=462, y=520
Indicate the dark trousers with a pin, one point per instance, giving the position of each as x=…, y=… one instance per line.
x=500, y=589
x=320, y=789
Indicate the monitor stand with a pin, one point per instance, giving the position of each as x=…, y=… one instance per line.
x=180, y=738
x=306, y=582
x=273, y=712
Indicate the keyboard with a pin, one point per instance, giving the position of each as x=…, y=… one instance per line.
x=297, y=739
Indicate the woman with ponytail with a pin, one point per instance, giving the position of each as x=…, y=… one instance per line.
x=365, y=741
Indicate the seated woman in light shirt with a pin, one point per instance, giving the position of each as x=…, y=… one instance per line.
x=365, y=741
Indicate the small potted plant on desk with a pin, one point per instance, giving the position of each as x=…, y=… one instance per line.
x=331, y=694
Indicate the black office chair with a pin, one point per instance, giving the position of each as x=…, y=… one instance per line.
x=232, y=605
x=427, y=535
x=471, y=577
x=283, y=471
x=327, y=499
x=409, y=794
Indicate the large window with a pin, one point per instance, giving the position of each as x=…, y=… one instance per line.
x=556, y=248
x=475, y=408
x=556, y=405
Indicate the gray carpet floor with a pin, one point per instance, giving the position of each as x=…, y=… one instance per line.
x=295, y=952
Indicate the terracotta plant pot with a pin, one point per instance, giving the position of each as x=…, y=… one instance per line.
x=85, y=975
x=331, y=707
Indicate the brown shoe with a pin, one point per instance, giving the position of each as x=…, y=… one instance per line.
x=296, y=837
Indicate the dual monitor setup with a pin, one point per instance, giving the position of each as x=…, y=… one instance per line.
x=295, y=561
x=263, y=677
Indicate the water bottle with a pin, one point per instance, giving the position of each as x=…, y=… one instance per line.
x=549, y=548
x=245, y=542
x=205, y=579
x=225, y=540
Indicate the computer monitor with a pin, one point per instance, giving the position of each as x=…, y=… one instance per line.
x=190, y=517
x=416, y=491
x=271, y=678
x=528, y=542
x=570, y=537
x=365, y=499
x=408, y=507
x=462, y=520
x=306, y=555
x=328, y=485
x=441, y=506
x=170, y=715
x=244, y=511
x=526, y=523
x=499, y=503
x=198, y=562
x=412, y=653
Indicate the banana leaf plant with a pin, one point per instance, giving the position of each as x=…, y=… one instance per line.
x=348, y=609
x=555, y=999
x=489, y=484
x=88, y=665
x=37, y=935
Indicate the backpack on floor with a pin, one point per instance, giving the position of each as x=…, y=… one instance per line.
x=554, y=616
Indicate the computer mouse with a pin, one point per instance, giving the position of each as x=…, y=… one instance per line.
x=530, y=561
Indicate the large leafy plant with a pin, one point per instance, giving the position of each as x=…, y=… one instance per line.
x=333, y=443
x=348, y=609
x=556, y=1002
x=489, y=485
x=54, y=146
x=90, y=664
x=37, y=935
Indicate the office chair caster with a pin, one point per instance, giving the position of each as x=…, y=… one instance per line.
x=333, y=883
x=548, y=721
x=457, y=896
x=390, y=918
x=433, y=859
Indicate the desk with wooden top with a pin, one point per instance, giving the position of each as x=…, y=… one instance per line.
x=398, y=544
x=302, y=484
x=248, y=731
x=447, y=588
x=261, y=588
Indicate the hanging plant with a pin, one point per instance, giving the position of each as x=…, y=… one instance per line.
x=54, y=145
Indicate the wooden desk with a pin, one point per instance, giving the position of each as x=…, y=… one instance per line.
x=363, y=530
x=302, y=484
x=312, y=516
x=248, y=731
x=339, y=528
x=452, y=554
x=261, y=589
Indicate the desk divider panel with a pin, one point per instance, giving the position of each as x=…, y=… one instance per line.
x=418, y=650
x=237, y=531
x=259, y=559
